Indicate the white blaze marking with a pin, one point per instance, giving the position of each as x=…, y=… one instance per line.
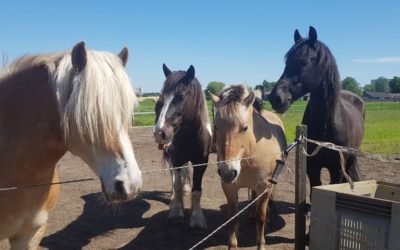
x=161, y=119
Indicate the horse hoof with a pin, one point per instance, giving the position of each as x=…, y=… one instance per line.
x=176, y=213
x=176, y=220
x=261, y=247
x=198, y=220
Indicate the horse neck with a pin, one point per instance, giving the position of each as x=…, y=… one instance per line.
x=324, y=100
x=32, y=140
x=196, y=115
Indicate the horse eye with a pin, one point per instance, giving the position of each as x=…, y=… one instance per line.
x=179, y=98
x=305, y=62
x=215, y=127
x=243, y=129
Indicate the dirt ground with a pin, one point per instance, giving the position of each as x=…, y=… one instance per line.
x=82, y=220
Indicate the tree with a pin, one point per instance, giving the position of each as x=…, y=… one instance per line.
x=381, y=84
x=268, y=86
x=394, y=85
x=214, y=87
x=369, y=87
x=351, y=84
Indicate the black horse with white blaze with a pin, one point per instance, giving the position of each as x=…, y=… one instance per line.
x=183, y=132
x=332, y=115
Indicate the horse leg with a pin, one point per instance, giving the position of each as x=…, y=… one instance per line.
x=352, y=168
x=252, y=211
x=198, y=219
x=29, y=239
x=187, y=186
x=251, y=216
x=261, y=217
x=176, y=206
x=231, y=193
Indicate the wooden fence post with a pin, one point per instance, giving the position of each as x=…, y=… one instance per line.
x=300, y=192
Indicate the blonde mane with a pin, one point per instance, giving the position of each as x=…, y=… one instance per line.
x=230, y=103
x=98, y=102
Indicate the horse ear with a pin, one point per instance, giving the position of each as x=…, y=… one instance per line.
x=190, y=73
x=166, y=70
x=215, y=99
x=297, y=36
x=249, y=100
x=312, y=36
x=124, y=55
x=78, y=56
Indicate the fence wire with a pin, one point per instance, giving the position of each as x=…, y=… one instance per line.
x=230, y=219
x=356, y=152
x=377, y=157
x=14, y=188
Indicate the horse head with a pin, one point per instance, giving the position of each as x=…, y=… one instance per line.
x=308, y=63
x=175, y=103
x=233, y=123
x=96, y=103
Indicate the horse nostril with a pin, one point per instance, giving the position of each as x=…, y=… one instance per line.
x=163, y=135
x=219, y=172
x=119, y=188
x=278, y=99
x=234, y=172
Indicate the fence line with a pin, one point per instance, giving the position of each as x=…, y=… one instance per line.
x=356, y=152
x=46, y=184
x=143, y=173
x=303, y=138
x=230, y=219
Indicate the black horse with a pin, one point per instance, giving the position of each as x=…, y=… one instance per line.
x=332, y=115
x=183, y=132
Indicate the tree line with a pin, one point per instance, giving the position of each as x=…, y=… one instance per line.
x=380, y=84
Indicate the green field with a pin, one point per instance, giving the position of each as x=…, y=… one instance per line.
x=382, y=123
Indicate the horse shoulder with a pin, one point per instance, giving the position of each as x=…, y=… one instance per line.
x=275, y=128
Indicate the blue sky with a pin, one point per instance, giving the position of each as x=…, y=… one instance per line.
x=228, y=41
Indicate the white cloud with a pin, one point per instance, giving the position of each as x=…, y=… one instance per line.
x=393, y=59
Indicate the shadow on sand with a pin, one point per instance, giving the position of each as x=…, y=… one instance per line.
x=158, y=232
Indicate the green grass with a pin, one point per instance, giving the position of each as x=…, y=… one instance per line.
x=382, y=123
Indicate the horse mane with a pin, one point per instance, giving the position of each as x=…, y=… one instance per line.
x=100, y=98
x=331, y=84
x=230, y=98
x=96, y=103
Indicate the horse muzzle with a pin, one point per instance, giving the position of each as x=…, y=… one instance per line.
x=228, y=173
x=161, y=136
x=279, y=102
x=120, y=192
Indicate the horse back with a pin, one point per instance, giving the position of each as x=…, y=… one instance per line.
x=351, y=119
x=353, y=100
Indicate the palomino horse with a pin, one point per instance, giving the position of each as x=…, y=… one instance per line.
x=244, y=130
x=81, y=101
x=183, y=132
x=332, y=115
